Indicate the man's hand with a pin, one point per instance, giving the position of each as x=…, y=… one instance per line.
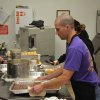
x=55, y=62
x=37, y=89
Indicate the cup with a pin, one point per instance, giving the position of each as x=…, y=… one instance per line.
x=33, y=65
x=39, y=57
x=33, y=62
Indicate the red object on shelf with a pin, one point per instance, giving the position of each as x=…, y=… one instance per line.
x=3, y=29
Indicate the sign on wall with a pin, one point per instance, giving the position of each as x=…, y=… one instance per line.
x=3, y=29
x=23, y=17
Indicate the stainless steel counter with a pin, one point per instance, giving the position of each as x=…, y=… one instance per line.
x=5, y=94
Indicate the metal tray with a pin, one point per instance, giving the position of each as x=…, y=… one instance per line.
x=52, y=91
x=20, y=91
x=6, y=79
x=27, y=82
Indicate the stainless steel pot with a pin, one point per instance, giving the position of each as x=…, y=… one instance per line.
x=18, y=68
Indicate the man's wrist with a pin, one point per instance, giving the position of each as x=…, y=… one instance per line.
x=44, y=85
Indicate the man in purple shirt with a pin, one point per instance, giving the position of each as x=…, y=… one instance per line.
x=78, y=67
x=79, y=60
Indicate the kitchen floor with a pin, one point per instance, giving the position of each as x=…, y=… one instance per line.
x=69, y=87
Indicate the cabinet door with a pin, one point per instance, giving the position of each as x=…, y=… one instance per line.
x=98, y=21
x=96, y=43
x=97, y=60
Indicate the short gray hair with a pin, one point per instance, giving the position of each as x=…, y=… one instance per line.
x=66, y=19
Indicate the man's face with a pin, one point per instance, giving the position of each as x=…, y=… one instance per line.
x=61, y=31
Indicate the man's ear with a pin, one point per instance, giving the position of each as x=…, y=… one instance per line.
x=67, y=27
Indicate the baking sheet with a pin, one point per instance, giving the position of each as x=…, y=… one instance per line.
x=27, y=83
x=20, y=83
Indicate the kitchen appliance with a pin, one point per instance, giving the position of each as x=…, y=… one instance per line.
x=18, y=68
x=43, y=40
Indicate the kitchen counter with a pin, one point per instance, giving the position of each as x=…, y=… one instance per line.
x=5, y=94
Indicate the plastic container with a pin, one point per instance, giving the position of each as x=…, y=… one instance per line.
x=31, y=93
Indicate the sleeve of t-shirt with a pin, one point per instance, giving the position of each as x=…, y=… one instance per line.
x=73, y=60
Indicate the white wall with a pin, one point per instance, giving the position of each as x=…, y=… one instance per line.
x=82, y=10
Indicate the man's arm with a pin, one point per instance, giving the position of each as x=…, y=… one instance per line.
x=54, y=83
x=55, y=74
x=59, y=81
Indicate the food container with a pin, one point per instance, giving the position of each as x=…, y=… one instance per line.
x=24, y=85
x=20, y=87
x=42, y=94
x=3, y=68
x=18, y=68
x=34, y=75
x=31, y=93
x=48, y=69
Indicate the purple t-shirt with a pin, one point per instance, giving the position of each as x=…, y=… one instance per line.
x=78, y=59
